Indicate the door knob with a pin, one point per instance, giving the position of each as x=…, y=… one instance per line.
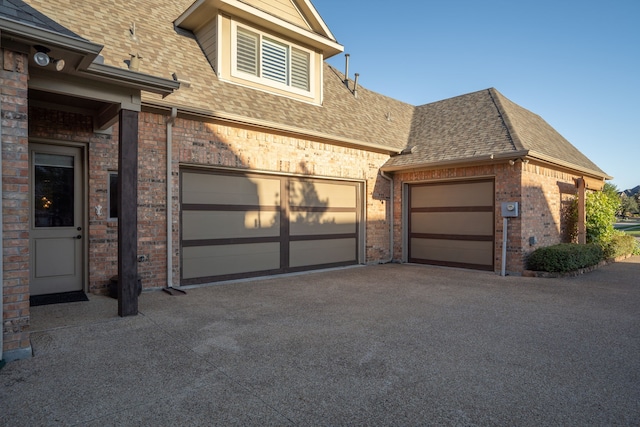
x=79, y=236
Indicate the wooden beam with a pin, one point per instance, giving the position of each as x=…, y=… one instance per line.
x=128, y=214
x=593, y=184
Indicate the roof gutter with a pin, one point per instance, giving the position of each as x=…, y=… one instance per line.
x=267, y=125
x=567, y=165
x=445, y=163
x=502, y=156
x=124, y=77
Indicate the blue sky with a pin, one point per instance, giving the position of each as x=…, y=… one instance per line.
x=576, y=63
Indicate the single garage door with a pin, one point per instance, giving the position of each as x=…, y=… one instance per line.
x=452, y=224
x=243, y=225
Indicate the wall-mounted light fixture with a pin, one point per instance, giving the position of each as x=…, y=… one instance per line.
x=42, y=58
x=520, y=159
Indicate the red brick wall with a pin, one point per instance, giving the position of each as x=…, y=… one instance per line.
x=546, y=193
x=15, y=202
x=152, y=199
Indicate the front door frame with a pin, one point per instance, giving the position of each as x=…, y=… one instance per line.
x=84, y=211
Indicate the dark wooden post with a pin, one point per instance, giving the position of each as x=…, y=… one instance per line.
x=128, y=214
x=582, y=216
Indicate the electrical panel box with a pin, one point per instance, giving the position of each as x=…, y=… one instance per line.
x=509, y=209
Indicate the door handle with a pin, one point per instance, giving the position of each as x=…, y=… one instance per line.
x=79, y=236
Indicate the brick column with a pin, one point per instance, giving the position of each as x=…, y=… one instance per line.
x=15, y=203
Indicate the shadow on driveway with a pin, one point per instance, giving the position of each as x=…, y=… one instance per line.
x=379, y=345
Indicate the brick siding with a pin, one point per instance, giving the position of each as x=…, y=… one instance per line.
x=15, y=201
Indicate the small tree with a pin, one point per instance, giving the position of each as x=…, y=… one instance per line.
x=600, y=209
x=628, y=206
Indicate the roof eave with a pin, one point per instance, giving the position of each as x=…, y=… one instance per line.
x=475, y=160
x=123, y=77
x=568, y=165
x=268, y=125
x=190, y=21
x=521, y=154
x=29, y=34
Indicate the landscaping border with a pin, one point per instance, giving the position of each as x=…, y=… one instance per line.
x=574, y=273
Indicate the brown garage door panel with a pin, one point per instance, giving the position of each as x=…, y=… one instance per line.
x=318, y=194
x=208, y=224
x=229, y=190
x=199, y=262
x=323, y=252
x=319, y=223
x=464, y=223
x=455, y=253
x=475, y=193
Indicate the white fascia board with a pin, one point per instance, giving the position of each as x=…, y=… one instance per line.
x=236, y=7
x=312, y=10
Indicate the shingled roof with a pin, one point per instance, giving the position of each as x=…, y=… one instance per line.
x=469, y=127
x=19, y=11
x=480, y=126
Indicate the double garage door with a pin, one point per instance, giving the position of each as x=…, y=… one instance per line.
x=237, y=225
x=452, y=224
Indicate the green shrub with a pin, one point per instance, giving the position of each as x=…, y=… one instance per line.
x=564, y=257
x=601, y=210
x=619, y=244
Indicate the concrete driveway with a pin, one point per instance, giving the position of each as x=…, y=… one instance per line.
x=379, y=345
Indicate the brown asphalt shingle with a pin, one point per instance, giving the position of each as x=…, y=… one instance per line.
x=469, y=126
x=478, y=125
x=17, y=10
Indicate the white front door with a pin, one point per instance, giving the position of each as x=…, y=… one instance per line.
x=56, y=232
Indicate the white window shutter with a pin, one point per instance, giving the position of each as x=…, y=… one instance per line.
x=299, y=69
x=274, y=61
x=247, y=52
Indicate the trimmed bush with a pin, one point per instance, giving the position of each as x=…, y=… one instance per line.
x=620, y=244
x=564, y=257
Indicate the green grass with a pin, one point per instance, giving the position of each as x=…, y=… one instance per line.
x=627, y=228
x=632, y=229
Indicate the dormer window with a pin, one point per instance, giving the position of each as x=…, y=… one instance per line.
x=267, y=60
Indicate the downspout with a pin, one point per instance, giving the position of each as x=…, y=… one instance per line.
x=170, y=122
x=391, y=203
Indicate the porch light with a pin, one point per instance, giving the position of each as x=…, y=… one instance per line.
x=42, y=58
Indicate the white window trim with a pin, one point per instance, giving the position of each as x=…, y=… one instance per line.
x=265, y=81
